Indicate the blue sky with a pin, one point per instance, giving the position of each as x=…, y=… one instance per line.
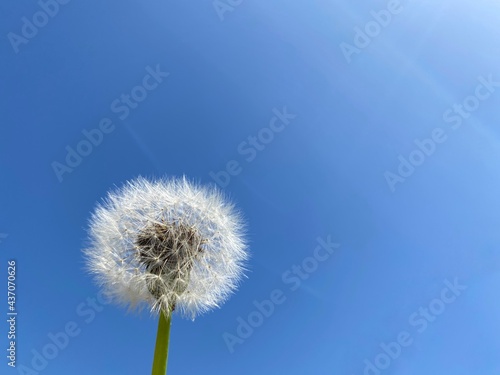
x=390, y=150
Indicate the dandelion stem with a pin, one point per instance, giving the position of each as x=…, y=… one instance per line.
x=162, y=340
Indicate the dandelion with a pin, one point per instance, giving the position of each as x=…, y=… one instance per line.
x=168, y=245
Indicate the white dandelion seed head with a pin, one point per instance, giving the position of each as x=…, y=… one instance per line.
x=167, y=244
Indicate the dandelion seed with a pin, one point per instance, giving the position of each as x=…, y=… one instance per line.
x=169, y=245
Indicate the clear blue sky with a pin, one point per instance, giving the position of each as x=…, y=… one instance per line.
x=393, y=153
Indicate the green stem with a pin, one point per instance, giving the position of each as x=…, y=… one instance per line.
x=162, y=340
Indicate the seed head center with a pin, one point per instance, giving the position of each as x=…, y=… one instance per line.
x=167, y=250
